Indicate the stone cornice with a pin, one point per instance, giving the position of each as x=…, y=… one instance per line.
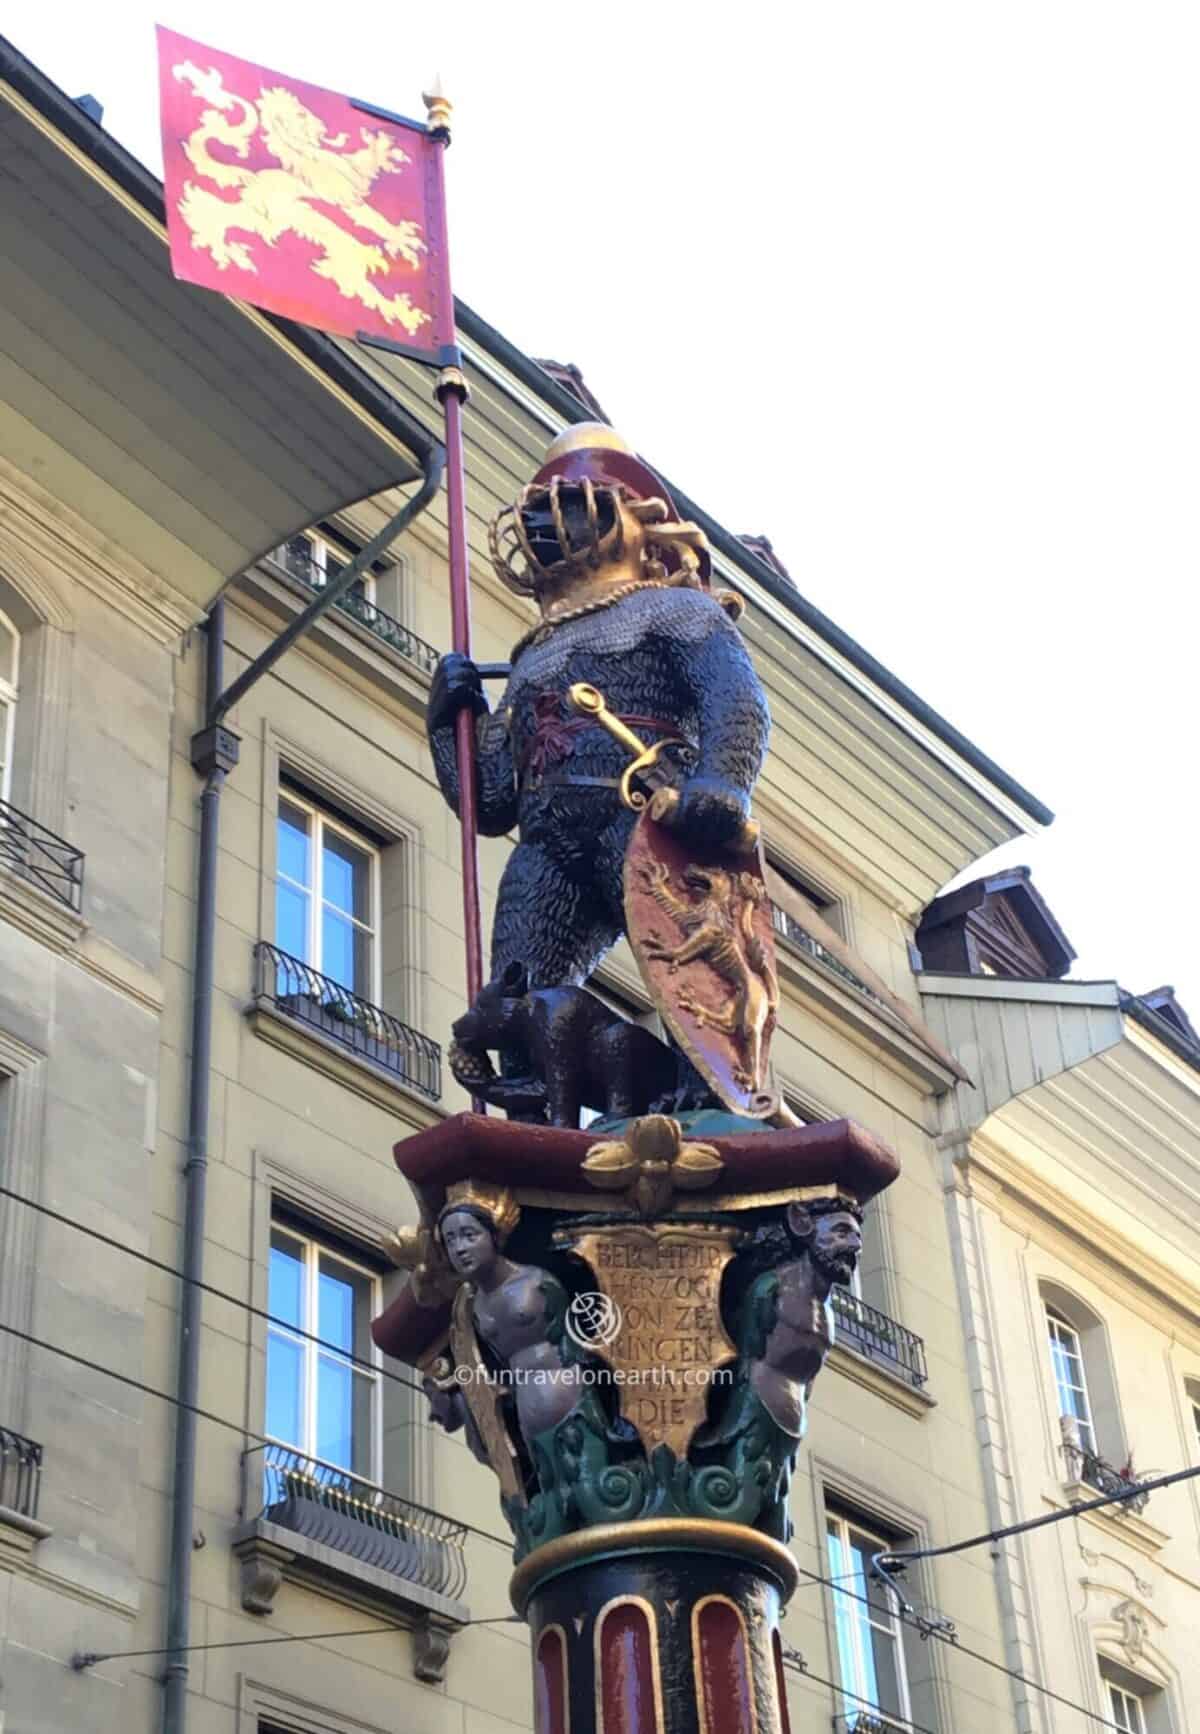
x=1016, y=1184
x=50, y=923
x=343, y=1067
x=873, y=1376
x=857, y=1015
x=54, y=535
x=1024, y=991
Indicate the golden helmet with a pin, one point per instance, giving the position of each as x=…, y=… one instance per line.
x=594, y=504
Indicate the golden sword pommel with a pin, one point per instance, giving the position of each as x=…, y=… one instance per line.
x=663, y=803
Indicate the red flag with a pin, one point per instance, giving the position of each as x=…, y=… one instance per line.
x=296, y=199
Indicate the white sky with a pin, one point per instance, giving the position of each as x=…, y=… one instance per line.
x=912, y=289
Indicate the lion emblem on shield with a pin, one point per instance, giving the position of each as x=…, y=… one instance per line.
x=314, y=166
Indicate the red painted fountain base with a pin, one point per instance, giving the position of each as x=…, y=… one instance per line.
x=659, y=1627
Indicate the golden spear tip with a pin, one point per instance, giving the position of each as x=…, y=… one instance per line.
x=438, y=106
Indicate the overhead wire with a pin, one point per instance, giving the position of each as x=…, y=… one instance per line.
x=218, y=1420
x=209, y=1288
x=92, y=1658
x=884, y=1561
x=794, y=1661
x=945, y=1632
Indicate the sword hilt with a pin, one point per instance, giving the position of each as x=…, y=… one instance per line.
x=663, y=804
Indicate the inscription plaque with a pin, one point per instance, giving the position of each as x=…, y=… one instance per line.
x=667, y=1283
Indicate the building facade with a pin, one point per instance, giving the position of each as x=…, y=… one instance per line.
x=329, y=1511
x=1070, y=1173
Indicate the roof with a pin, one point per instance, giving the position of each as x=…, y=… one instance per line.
x=570, y=377
x=760, y=547
x=783, y=591
x=225, y=427
x=1161, y=1013
x=1014, y=887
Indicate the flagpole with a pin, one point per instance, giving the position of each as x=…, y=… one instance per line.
x=451, y=392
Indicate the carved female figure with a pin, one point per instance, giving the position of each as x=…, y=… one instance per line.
x=517, y=1311
x=574, y=1467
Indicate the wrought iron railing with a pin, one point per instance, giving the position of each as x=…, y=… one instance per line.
x=868, y=1722
x=875, y=1336
x=1087, y=1466
x=301, y=565
x=293, y=987
x=343, y=1512
x=791, y=932
x=46, y=860
x=20, y=1472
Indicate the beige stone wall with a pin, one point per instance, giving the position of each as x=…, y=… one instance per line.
x=79, y=1031
x=1121, y=1588
x=1071, y=1177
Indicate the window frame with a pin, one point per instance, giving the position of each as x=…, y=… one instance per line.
x=322, y=819
x=314, y=1246
x=1191, y=1398
x=323, y=547
x=1120, y=1710
x=9, y=694
x=853, y=1672
x=1055, y=1318
x=825, y=902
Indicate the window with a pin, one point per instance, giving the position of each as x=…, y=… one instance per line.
x=1132, y=1703
x=316, y=562
x=318, y=1402
x=870, y=1636
x=327, y=896
x=1191, y=1397
x=827, y=907
x=1070, y=1379
x=10, y=645
x=1126, y=1709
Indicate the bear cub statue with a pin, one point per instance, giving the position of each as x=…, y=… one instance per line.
x=572, y=1052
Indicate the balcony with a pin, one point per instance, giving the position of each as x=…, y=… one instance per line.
x=793, y=934
x=1087, y=1469
x=41, y=857
x=353, y=1517
x=872, y=1334
x=310, y=1524
x=314, y=1000
x=299, y=564
x=868, y=1722
x=20, y=1473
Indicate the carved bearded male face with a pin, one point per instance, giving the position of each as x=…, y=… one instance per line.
x=833, y=1240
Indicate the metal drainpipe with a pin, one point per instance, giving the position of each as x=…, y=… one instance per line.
x=214, y=753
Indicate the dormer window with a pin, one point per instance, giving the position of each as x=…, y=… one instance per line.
x=999, y=926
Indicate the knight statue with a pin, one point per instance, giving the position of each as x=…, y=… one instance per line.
x=623, y=591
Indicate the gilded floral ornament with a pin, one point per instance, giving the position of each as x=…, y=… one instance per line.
x=651, y=1162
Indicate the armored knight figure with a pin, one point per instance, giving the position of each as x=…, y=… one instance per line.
x=623, y=590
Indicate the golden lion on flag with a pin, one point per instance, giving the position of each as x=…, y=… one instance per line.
x=272, y=202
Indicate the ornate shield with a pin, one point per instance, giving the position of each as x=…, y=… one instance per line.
x=701, y=930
